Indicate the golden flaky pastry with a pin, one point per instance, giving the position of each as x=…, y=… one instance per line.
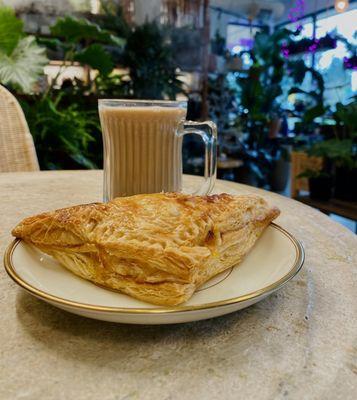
x=155, y=247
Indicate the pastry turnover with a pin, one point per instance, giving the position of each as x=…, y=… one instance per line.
x=155, y=247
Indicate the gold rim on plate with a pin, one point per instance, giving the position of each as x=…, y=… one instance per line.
x=298, y=263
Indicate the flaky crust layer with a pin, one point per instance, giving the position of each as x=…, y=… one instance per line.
x=155, y=247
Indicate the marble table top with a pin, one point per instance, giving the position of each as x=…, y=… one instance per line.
x=299, y=343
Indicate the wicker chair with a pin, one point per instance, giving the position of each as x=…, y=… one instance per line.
x=17, y=150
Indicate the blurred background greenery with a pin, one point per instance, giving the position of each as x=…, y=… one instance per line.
x=261, y=81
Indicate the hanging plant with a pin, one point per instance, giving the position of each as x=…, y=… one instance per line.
x=309, y=45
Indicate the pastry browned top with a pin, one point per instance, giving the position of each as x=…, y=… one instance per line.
x=159, y=220
x=156, y=247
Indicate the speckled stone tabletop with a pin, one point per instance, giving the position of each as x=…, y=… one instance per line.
x=299, y=343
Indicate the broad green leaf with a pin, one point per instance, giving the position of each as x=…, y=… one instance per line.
x=24, y=65
x=74, y=30
x=96, y=57
x=10, y=30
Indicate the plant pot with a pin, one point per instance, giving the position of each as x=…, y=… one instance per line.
x=346, y=184
x=280, y=175
x=274, y=127
x=320, y=188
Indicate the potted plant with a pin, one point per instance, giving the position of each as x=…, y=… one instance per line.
x=261, y=102
x=261, y=87
x=342, y=155
x=280, y=166
x=346, y=183
x=341, y=151
x=320, y=184
x=346, y=165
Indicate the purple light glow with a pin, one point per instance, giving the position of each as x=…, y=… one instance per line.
x=350, y=63
x=246, y=42
x=312, y=48
x=284, y=50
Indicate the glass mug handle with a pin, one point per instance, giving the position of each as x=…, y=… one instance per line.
x=207, y=130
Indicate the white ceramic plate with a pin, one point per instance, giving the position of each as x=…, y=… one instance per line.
x=275, y=259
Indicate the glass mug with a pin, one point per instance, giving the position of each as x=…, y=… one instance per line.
x=142, y=142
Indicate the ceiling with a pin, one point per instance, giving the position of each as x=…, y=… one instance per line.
x=272, y=10
x=259, y=11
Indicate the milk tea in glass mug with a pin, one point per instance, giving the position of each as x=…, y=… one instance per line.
x=143, y=146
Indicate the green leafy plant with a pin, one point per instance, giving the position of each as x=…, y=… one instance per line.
x=21, y=59
x=340, y=152
x=298, y=71
x=346, y=120
x=221, y=100
x=64, y=120
x=11, y=30
x=152, y=70
x=73, y=30
x=341, y=149
x=110, y=86
x=96, y=57
x=79, y=40
x=112, y=18
x=262, y=90
x=261, y=85
x=62, y=134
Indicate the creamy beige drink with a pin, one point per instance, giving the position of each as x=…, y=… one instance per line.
x=142, y=150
